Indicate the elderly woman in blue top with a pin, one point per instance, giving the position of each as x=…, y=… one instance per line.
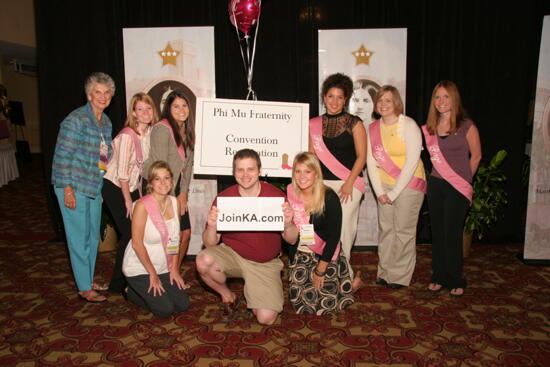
x=81, y=153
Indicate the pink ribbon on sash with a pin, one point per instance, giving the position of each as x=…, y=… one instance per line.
x=329, y=160
x=443, y=167
x=153, y=210
x=137, y=147
x=385, y=161
x=300, y=217
x=181, y=151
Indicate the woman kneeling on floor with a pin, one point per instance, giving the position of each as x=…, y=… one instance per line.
x=153, y=258
x=320, y=280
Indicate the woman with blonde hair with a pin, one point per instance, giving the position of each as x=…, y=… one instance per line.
x=122, y=181
x=455, y=150
x=319, y=277
x=398, y=179
x=152, y=260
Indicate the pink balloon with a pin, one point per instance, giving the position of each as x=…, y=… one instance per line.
x=245, y=13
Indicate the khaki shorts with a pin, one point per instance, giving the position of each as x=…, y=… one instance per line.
x=263, y=288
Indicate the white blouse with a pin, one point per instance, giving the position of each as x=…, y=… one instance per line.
x=132, y=266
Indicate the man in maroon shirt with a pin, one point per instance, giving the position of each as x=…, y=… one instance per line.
x=253, y=256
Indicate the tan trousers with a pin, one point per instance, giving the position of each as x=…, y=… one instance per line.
x=397, y=241
x=350, y=215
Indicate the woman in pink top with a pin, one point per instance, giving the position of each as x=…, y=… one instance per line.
x=122, y=181
x=455, y=150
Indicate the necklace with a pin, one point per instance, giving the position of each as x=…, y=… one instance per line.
x=163, y=210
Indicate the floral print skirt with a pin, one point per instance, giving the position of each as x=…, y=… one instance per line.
x=336, y=293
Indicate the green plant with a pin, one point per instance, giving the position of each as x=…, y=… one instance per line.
x=489, y=196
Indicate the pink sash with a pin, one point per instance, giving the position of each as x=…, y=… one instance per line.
x=337, y=168
x=300, y=218
x=443, y=167
x=153, y=211
x=137, y=147
x=385, y=161
x=181, y=151
x=137, y=144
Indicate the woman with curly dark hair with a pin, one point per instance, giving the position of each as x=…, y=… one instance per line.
x=339, y=140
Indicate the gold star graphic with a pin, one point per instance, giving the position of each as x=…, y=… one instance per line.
x=362, y=55
x=168, y=55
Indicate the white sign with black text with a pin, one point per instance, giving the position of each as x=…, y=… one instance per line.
x=276, y=130
x=250, y=214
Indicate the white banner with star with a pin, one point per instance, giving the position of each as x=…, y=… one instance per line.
x=537, y=226
x=371, y=58
x=159, y=60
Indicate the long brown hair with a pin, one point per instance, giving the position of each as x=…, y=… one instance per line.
x=188, y=138
x=458, y=113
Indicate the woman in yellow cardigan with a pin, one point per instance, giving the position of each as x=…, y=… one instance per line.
x=397, y=177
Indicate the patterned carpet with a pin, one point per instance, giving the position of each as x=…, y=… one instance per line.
x=503, y=319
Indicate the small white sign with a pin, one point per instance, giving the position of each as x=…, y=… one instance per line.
x=276, y=130
x=250, y=214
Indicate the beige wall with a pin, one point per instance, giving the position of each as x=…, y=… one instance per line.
x=17, y=22
x=25, y=89
x=17, y=26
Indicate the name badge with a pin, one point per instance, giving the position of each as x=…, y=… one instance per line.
x=173, y=247
x=307, y=234
x=103, y=153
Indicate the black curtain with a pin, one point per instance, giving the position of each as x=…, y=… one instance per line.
x=489, y=48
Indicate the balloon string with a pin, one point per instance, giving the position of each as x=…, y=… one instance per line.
x=248, y=59
x=239, y=38
x=251, y=93
x=251, y=68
